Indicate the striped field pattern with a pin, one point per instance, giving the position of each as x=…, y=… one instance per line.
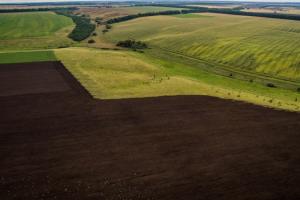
x=260, y=45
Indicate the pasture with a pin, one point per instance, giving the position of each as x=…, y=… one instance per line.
x=34, y=30
x=249, y=44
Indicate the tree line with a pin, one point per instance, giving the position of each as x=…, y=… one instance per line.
x=256, y=14
x=37, y=9
x=83, y=29
x=191, y=9
x=129, y=17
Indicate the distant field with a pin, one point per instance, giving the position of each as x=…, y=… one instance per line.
x=109, y=74
x=29, y=56
x=33, y=30
x=216, y=5
x=248, y=44
x=108, y=13
x=283, y=10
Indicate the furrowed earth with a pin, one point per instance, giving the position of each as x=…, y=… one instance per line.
x=57, y=142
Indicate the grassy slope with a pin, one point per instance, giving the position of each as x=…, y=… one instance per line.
x=266, y=46
x=123, y=74
x=28, y=56
x=33, y=30
x=142, y=75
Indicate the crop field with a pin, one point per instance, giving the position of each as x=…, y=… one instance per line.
x=34, y=30
x=248, y=44
x=108, y=13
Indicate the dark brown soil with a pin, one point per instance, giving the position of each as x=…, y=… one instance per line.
x=62, y=144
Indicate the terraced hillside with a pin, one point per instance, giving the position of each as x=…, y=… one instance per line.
x=34, y=30
x=260, y=45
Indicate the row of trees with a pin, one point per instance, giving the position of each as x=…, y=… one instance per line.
x=191, y=9
x=257, y=14
x=37, y=9
x=129, y=17
x=83, y=29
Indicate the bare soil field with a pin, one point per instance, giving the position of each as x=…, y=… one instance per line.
x=63, y=144
x=35, y=78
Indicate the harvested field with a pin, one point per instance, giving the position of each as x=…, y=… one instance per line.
x=64, y=145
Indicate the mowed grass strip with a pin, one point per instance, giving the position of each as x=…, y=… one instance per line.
x=110, y=74
x=26, y=56
x=258, y=45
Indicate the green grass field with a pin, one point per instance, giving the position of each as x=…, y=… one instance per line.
x=238, y=43
x=34, y=30
x=111, y=74
x=26, y=56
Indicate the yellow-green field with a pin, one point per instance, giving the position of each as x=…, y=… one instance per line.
x=250, y=44
x=34, y=30
x=111, y=74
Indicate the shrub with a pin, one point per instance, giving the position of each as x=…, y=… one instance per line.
x=132, y=44
x=271, y=85
x=98, y=20
x=91, y=41
x=108, y=26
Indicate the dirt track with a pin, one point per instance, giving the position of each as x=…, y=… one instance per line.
x=65, y=145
